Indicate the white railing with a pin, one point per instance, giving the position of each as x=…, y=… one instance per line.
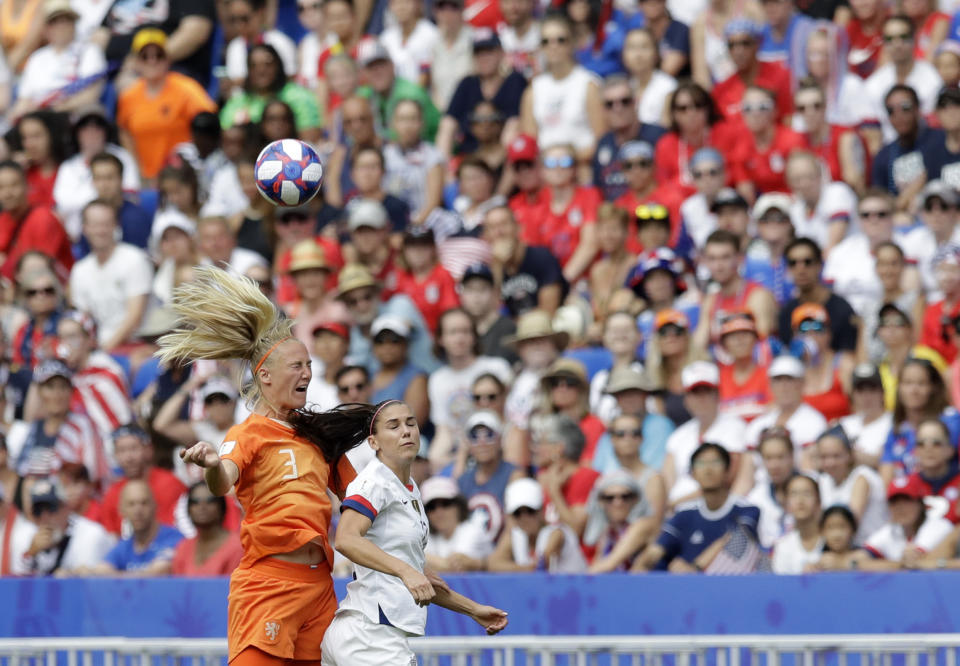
x=804, y=650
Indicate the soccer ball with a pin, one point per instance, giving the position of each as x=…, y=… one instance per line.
x=288, y=172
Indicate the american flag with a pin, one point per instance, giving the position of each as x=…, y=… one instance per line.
x=740, y=555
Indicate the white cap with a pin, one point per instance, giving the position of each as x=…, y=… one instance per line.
x=366, y=213
x=388, y=322
x=523, y=493
x=484, y=418
x=772, y=201
x=786, y=366
x=167, y=218
x=216, y=385
x=700, y=373
x=438, y=487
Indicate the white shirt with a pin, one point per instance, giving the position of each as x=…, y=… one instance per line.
x=21, y=536
x=73, y=187
x=851, y=268
x=804, y=426
x=920, y=245
x=697, y=219
x=560, y=108
x=413, y=56
x=236, y=57
x=849, y=109
x=727, y=430
x=449, y=390
x=522, y=398
x=103, y=290
x=790, y=557
x=311, y=46
x=48, y=70
x=869, y=438
x=399, y=528
x=89, y=543
x=774, y=521
x=874, y=514
x=406, y=172
x=226, y=194
x=890, y=541
x=468, y=539
x=923, y=78
x=521, y=51
x=92, y=13
x=569, y=560
x=837, y=201
x=450, y=65
x=655, y=95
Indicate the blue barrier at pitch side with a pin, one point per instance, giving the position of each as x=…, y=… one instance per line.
x=538, y=604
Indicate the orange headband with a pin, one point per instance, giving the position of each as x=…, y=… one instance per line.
x=269, y=351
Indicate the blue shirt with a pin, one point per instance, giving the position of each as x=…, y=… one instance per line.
x=656, y=430
x=135, y=225
x=420, y=343
x=124, y=557
x=675, y=38
x=782, y=51
x=694, y=527
x=898, y=450
x=607, y=174
x=896, y=158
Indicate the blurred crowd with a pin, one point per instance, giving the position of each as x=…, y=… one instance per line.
x=669, y=284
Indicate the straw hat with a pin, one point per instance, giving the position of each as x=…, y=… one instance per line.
x=307, y=254
x=354, y=276
x=567, y=367
x=534, y=325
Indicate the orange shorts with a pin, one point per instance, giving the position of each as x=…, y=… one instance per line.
x=281, y=608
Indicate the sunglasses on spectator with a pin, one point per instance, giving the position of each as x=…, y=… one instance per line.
x=812, y=106
x=569, y=382
x=351, y=387
x=741, y=43
x=905, y=107
x=546, y=41
x=524, y=511
x=670, y=329
x=901, y=37
x=683, y=108
x=46, y=291
x=443, y=4
x=623, y=101
x=485, y=397
x=878, y=214
x=627, y=433
x=651, y=212
x=894, y=322
x=811, y=326
x=292, y=218
x=637, y=164
x=481, y=433
x=931, y=442
x=265, y=285
x=623, y=497
x=564, y=162
x=439, y=504
x=759, y=107
x=388, y=338
x=315, y=6
x=353, y=301
x=485, y=118
x=935, y=204
x=206, y=500
x=704, y=173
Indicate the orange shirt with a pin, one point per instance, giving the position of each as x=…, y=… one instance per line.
x=158, y=123
x=281, y=487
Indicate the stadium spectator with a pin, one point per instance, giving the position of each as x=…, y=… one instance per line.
x=529, y=542
x=869, y=423
x=413, y=167
x=945, y=556
x=385, y=88
x=936, y=471
x=35, y=339
x=764, y=261
x=217, y=244
x=457, y=541
x=802, y=546
x=699, y=210
x=776, y=452
x=424, y=279
x=935, y=331
x=744, y=38
x=827, y=70
x=367, y=171
x=609, y=273
x=310, y=272
x=65, y=542
x=520, y=35
x=38, y=144
x=822, y=210
x=149, y=550
x=651, y=86
x=646, y=200
x=895, y=332
x=901, y=290
x=564, y=390
x=17, y=534
x=410, y=41
x=827, y=373
x=452, y=57
x=397, y=378
x=109, y=174
x=943, y=164
x=25, y=227
x=113, y=282
x=938, y=211
x=149, y=137
x=79, y=493
x=480, y=299
x=696, y=526
x=865, y=33
x=329, y=346
x=558, y=445
x=744, y=385
x=215, y=551
x=135, y=457
x=486, y=124
x=359, y=131
x=620, y=524
x=248, y=19
x=840, y=149
x=620, y=337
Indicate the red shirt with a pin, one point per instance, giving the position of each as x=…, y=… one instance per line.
x=39, y=230
x=483, y=13
x=922, y=45
x=671, y=157
x=671, y=197
x=433, y=295
x=766, y=169
x=935, y=322
x=593, y=430
x=865, y=49
x=287, y=290
x=40, y=187
x=770, y=75
x=560, y=232
x=829, y=151
x=833, y=402
x=747, y=400
x=528, y=211
x=220, y=563
x=166, y=489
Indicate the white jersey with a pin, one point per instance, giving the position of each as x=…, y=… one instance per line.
x=868, y=438
x=697, y=219
x=399, y=528
x=774, y=521
x=560, y=109
x=837, y=202
x=790, y=557
x=727, y=430
x=569, y=560
x=890, y=541
x=874, y=514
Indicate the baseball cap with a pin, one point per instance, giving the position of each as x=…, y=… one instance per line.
x=485, y=38
x=909, y=486
x=477, y=270
x=742, y=26
x=700, y=373
x=419, y=233
x=522, y=149
x=866, y=374
x=484, y=418
x=627, y=379
x=218, y=386
x=148, y=37
x=371, y=51
x=728, y=197
x=167, y=219
x=47, y=370
x=813, y=311
x=635, y=149
x=367, y=213
x=771, y=201
x=949, y=93
x=741, y=320
x=392, y=323
x=674, y=317
x=54, y=8
x=131, y=430
x=939, y=189
x=709, y=154
x=438, y=487
x=46, y=492
x=335, y=327
x=786, y=366
x=892, y=308
x=522, y=493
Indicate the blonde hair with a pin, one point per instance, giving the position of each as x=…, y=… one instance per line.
x=221, y=316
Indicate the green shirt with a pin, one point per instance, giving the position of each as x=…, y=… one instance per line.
x=248, y=107
x=403, y=89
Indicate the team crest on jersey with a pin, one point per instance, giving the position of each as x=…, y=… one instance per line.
x=416, y=505
x=227, y=447
x=272, y=630
x=576, y=217
x=432, y=293
x=696, y=537
x=951, y=493
x=604, y=155
x=776, y=163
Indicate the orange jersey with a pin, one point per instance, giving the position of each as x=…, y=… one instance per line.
x=281, y=487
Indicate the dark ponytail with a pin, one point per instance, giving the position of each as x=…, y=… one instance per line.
x=337, y=430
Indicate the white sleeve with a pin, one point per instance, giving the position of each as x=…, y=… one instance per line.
x=236, y=59
x=880, y=542
x=438, y=411
x=931, y=533
x=131, y=171
x=287, y=51
x=735, y=436
x=92, y=61
x=140, y=278
x=32, y=80
x=780, y=562
x=77, y=291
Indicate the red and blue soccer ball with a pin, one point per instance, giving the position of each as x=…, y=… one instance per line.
x=288, y=172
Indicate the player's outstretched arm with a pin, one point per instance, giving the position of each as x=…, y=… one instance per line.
x=219, y=474
x=493, y=620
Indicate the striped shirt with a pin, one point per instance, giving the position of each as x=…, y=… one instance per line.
x=101, y=392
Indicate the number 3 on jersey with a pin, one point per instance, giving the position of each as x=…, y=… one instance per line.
x=292, y=464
